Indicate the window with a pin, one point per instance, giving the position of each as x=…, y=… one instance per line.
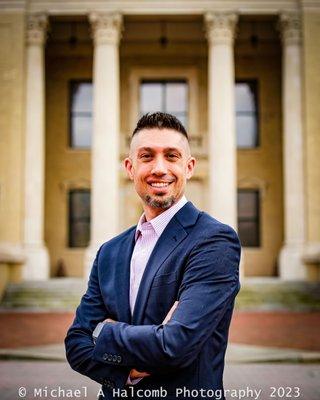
x=79, y=218
x=169, y=96
x=80, y=114
x=248, y=217
x=246, y=114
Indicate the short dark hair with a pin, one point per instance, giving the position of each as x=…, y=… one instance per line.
x=160, y=120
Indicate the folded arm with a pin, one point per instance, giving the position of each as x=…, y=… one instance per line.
x=209, y=286
x=79, y=343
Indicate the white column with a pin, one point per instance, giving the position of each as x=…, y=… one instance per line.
x=106, y=120
x=221, y=114
x=291, y=266
x=37, y=260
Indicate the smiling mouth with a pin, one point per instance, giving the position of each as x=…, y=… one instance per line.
x=160, y=184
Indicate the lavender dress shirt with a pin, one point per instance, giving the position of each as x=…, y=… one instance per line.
x=147, y=234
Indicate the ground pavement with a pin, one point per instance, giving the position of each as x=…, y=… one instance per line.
x=50, y=380
x=272, y=355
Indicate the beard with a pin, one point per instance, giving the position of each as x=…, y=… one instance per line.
x=160, y=203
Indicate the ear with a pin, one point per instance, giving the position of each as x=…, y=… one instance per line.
x=190, y=167
x=129, y=167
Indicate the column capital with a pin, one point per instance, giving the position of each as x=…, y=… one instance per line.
x=290, y=28
x=37, y=28
x=220, y=27
x=106, y=27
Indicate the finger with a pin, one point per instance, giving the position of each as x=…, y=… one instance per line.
x=139, y=375
x=109, y=320
x=135, y=371
x=134, y=374
x=170, y=313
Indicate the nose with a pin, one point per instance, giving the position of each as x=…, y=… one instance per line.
x=159, y=167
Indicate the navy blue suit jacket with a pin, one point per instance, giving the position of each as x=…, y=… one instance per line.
x=195, y=261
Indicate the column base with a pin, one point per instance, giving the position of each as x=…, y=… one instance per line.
x=241, y=267
x=291, y=266
x=311, y=259
x=11, y=261
x=37, y=263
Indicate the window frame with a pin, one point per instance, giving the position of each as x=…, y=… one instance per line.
x=71, y=84
x=252, y=82
x=191, y=74
x=257, y=220
x=163, y=82
x=70, y=219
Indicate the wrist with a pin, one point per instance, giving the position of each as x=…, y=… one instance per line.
x=97, y=331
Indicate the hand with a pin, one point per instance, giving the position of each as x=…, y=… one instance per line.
x=109, y=320
x=134, y=374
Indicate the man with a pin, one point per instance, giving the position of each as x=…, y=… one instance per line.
x=160, y=296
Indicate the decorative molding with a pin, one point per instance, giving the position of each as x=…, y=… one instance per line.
x=106, y=27
x=73, y=184
x=310, y=5
x=163, y=7
x=311, y=253
x=290, y=28
x=11, y=253
x=12, y=5
x=37, y=28
x=253, y=182
x=220, y=27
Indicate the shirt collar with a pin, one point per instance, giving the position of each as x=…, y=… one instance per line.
x=160, y=222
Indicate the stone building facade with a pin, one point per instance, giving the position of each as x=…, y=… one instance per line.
x=242, y=75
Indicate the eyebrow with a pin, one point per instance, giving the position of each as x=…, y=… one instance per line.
x=166, y=149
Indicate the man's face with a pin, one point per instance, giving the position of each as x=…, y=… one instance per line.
x=159, y=164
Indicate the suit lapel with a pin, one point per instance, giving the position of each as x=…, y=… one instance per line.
x=123, y=277
x=171, y=237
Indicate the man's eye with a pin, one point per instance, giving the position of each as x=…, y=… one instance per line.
x=172, y=156
x=145, y=156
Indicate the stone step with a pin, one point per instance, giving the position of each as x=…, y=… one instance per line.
x=256, y=294
x=55, y=294
x=263, y=294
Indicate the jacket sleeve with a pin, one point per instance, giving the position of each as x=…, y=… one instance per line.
x=209, y=285
x=78, y=342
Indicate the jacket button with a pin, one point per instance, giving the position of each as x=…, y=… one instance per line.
x=114, y=358
x=119, y=359
x=109, y=358
x=105, y=356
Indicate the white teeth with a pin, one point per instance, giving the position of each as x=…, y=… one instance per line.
x=159, y=184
